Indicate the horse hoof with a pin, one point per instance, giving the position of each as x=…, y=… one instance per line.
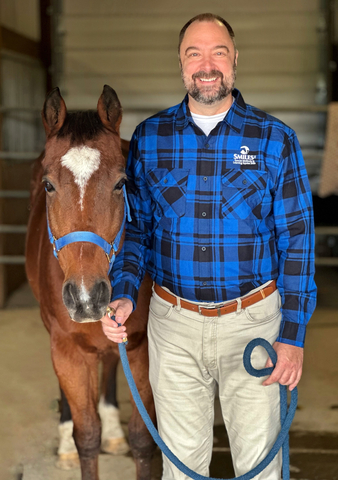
x=115, y=446
x=68, y=461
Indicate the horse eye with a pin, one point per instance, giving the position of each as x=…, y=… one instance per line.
x=120, y=184
x=49, y=187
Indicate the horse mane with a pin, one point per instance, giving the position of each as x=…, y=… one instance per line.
x=81, y=126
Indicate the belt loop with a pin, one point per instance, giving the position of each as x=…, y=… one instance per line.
x=178, y=306
x=239, y=304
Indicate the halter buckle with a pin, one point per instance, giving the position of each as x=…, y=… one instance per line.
x=109, y=258
x=55, y=251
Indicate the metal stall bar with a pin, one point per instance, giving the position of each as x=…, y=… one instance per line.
x=12, y=260
x=14, y=193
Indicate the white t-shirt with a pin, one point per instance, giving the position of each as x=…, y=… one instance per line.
x=208, y=122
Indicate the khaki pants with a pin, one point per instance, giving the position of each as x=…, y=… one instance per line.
x=189, y=355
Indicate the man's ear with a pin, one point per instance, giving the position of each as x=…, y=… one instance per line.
x=236, y=57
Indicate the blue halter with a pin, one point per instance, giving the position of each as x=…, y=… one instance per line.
x=91, y=237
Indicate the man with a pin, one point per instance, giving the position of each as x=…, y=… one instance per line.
x=222, y=215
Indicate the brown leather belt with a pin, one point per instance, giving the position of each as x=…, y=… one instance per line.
x=218, y=311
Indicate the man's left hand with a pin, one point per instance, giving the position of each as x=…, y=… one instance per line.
x=288, y=369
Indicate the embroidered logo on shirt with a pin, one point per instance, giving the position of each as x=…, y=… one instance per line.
x=244, y=158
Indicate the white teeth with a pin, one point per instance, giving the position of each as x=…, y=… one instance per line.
x=208, y=79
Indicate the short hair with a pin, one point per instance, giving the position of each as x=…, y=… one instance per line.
x=206, y=17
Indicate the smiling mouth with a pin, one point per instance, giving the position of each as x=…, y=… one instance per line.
x=208, y=79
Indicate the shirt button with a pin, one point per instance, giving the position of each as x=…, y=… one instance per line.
x=166, y=180
x=245, y=182
x=204, y=214
x=207, y=145
x=203, y=249
x=205, y=283
x=205, y=178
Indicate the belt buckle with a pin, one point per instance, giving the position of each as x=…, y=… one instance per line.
x=211, y=308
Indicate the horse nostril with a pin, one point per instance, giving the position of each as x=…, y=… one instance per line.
x=70, y=295
x=100, y=294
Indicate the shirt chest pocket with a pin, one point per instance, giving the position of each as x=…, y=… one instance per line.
x=168, y=189
x=243, y=192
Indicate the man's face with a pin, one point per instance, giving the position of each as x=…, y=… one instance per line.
x=208, y=62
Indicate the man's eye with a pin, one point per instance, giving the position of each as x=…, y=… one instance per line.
x=120, y=184
x=49, y=187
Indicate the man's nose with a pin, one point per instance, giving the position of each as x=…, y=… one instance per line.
x=207, y=64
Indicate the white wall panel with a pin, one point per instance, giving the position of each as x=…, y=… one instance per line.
x=128, y=32
x=132, y=46
x=22, y=16
x=185, y=8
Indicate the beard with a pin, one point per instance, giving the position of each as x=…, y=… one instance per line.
x=209, y=95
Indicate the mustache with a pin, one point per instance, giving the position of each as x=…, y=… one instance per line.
x=211, y=74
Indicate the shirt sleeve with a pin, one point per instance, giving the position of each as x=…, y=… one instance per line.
x=130, y=264
x=294, y=227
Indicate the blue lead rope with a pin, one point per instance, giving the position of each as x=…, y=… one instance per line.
x=286, y=415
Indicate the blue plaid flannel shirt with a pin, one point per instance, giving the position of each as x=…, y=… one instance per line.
x=215, y=217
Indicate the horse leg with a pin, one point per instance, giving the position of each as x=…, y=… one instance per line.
x=113, y=440
x=68, y=457
x=140, y=440
x=78, y=378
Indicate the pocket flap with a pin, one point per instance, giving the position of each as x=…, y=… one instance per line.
x=164, y=177
x=245, y=179
x=168, y=189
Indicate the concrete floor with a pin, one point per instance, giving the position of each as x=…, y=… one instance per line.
x=29, y=400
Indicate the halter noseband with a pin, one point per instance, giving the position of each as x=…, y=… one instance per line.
x=92, y=237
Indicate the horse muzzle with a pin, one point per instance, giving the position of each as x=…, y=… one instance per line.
x=86, y=306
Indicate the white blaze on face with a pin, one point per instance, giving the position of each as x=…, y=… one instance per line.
x=82, y=162
x=84, y=295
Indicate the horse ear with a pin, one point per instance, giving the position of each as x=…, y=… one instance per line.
x=109, y=109
x=54, y=112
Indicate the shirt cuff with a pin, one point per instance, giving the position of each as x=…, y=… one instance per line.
x=125, y=290
x=292, y=333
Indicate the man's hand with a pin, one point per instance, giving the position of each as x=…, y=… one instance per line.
x=288, y=369
x=122, y=308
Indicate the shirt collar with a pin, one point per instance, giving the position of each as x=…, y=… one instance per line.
x=234, y=118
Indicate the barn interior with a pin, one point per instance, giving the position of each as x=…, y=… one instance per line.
x=288, y=66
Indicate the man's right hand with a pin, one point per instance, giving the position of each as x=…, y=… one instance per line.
x=122, y=308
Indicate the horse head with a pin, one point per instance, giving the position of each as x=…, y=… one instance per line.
x=84, y=177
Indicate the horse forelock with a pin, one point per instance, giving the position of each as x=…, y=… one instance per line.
x=80, y=127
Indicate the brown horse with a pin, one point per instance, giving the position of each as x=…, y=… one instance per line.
x=78, y=185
